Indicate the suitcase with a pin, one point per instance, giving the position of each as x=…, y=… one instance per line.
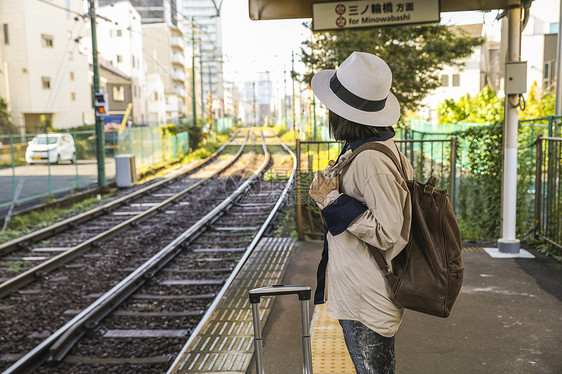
x=304, y=296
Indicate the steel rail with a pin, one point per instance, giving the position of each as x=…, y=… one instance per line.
x=30, y=275
x=61, y=341
x=177, y=362
x=51, y=230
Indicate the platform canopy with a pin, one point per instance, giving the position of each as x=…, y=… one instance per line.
x=287, y=9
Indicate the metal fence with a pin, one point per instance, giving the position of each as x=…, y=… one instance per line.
x=23, y=180
x=548, y=190
x=428, y=157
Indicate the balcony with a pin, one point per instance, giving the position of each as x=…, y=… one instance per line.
x=176, y=41
x=180, y=91
x=178, y=75
x=178, y=58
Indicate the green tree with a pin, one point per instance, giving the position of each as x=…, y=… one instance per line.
x=415, y=54
x=537, y=106
x=485, y=107
x=6, y=125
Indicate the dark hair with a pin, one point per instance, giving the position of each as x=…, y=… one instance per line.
x=343, y=129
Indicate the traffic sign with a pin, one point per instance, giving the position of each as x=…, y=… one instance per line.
x=285, y=9
x=373, y=13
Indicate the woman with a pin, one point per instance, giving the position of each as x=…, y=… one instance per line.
x=367, y=203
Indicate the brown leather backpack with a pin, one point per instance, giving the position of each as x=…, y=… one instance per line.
x=426, y=276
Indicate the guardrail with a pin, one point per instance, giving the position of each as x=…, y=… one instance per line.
x=428, y=157
x=548, y=190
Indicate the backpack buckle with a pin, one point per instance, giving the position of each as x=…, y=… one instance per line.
x=430, y=185
x=428, y=190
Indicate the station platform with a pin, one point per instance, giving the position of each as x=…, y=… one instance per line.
x=507, y=319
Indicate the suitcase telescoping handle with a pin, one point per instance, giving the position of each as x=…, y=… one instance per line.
x=304, y=296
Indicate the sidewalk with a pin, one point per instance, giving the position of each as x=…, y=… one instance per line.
x=507, y=319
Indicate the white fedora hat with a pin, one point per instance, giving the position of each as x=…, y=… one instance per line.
x=359, y=90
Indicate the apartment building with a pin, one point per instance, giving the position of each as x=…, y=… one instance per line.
x=152, y=11
x=539, y=42
x=208, y=40
x=44, y=75
x=164, y=47
x=120, y=44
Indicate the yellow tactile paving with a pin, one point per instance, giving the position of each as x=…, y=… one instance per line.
x=329, y=354
x=473, y=249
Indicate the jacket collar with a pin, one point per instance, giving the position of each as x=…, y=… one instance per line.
x=385, y=135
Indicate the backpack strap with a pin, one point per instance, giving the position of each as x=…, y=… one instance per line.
x=377, y=146
x=385, y=268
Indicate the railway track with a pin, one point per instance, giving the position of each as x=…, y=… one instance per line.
x=165, y=299
x=31, y=255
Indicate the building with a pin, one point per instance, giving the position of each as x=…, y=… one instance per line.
x=118, y=86
x=231, y=100
x=469, y=77
x=120, y=44
x=204, y=17
x=164, y=54
x=539, y=42
x=44, y=75
x=152, y=11
x=486, y=65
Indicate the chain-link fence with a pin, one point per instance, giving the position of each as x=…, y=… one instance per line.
x=38, y=165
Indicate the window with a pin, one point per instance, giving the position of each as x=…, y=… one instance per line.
x=119, y=59
x=154, y=96
x=115, y=33
x=456, y=80
x=6, y=35
x=71, y=75
x=444, y=80
x=46, y=83
x=118, y=93
x=135, y=90
x=554, y=27
x=47, y=41
x=73, y=96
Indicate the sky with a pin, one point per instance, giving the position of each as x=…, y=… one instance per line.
x=251, y=46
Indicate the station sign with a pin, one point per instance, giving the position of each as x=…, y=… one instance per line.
x=373, y=13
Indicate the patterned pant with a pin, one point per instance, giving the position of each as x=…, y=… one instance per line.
x=370, y=352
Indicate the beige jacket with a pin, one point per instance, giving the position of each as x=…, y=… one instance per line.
x=356, y=288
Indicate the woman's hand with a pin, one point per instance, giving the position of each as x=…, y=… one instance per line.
x=322, y=186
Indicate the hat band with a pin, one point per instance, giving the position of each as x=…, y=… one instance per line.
x=355, y=101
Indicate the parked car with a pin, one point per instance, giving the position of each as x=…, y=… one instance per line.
x=57, y=147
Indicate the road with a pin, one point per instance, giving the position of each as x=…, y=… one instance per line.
x=34, y=180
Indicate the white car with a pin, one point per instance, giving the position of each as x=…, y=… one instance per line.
x=52, y=148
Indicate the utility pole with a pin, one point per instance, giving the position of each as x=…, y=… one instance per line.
x=285, y=95
x=293, y=85
x=314, y=128
x=100, y=150
x=508, y=243
x=254, y=102
x=558, y=109
x=201, y=77
x=193, y=103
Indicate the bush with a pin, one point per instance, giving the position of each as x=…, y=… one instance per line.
x=479, y=196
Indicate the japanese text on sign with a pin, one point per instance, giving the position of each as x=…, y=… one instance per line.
x=373, y=13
